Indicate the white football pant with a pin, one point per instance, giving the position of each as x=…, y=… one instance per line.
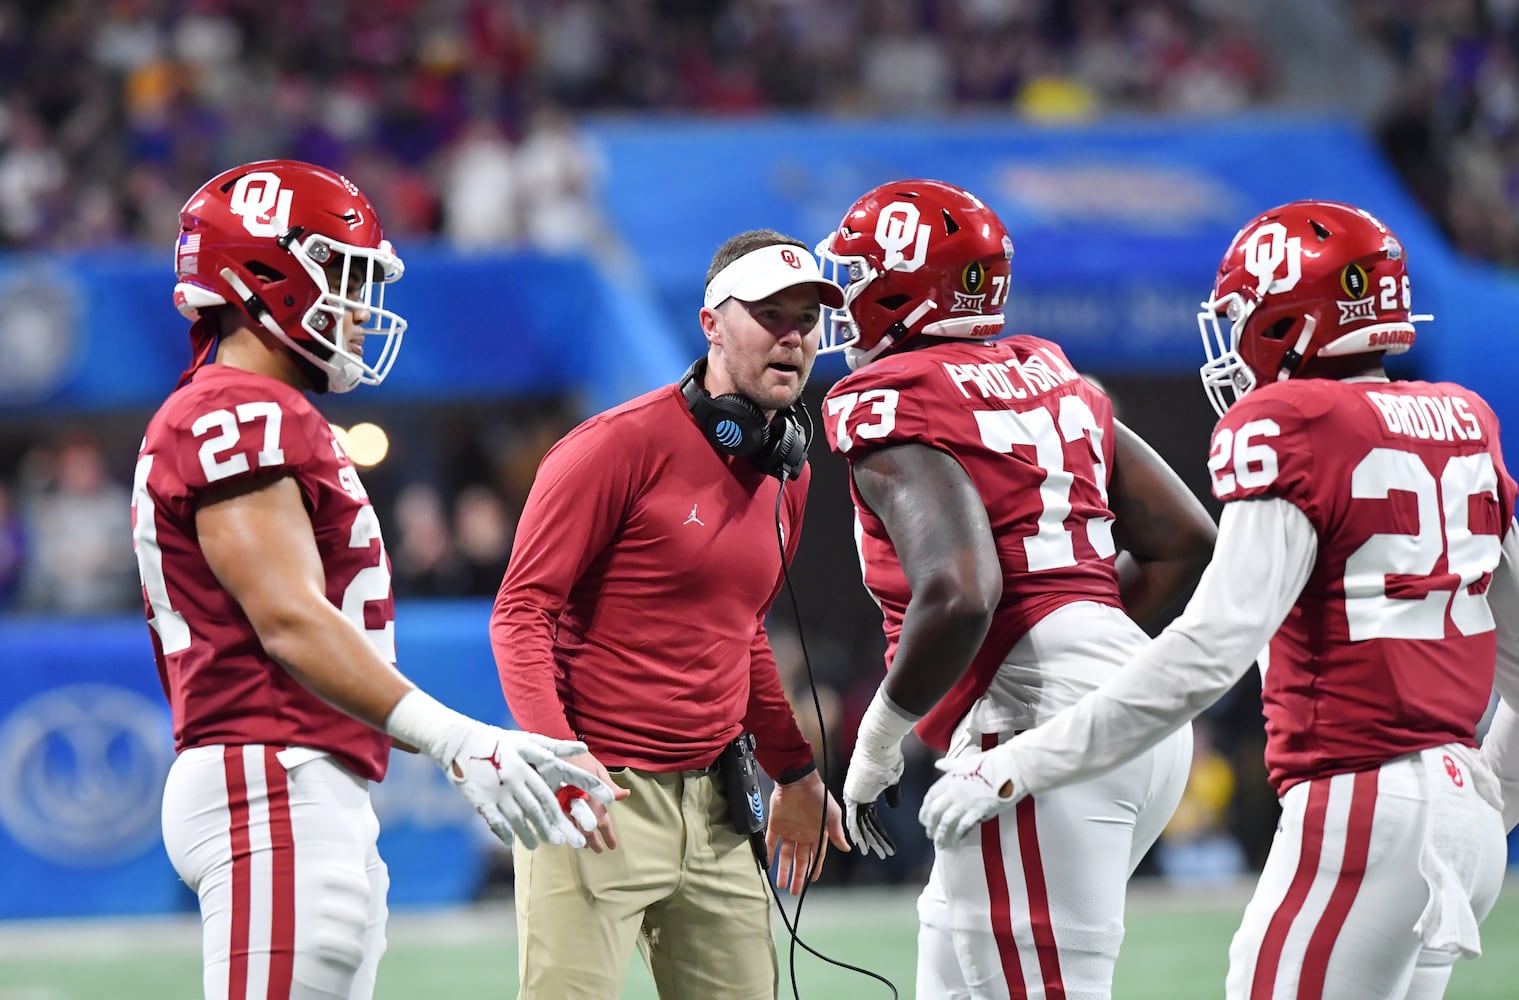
x=1375, y=884
x=291, y=884
x=1031, y=906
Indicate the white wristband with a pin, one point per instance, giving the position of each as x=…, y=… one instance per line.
x=424, y=722
x=885, y=724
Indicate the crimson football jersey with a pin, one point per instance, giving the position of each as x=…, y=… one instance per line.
x=1390, y=647
x=1035, y=438
x=227, y=425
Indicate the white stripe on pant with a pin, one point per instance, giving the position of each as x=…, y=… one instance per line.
x=291, y=885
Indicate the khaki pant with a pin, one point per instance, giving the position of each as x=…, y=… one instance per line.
x=682, y=884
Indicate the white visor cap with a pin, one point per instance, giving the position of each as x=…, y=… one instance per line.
x=761, y=273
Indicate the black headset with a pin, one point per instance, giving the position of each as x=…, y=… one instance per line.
x=736, y=426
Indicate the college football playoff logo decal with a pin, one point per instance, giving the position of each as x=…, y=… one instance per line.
x=1354, y=280
x=973, y=278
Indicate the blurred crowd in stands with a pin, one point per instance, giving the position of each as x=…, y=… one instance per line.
x=1453, y=128
x=448, y=496
x=458, y=116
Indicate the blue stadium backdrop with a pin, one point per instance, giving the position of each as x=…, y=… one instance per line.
x=1118, y=228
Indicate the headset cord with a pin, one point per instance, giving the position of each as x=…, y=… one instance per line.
x=793, y=926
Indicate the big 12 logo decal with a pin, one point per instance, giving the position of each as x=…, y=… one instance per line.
x=263, y=206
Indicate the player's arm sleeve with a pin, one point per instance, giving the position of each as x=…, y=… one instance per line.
x=780, y=747
x=1501, y=747
x=1265, y=551
x=874, y=409
x=572, y=513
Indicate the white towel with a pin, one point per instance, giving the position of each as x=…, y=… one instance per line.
x=1452, y=849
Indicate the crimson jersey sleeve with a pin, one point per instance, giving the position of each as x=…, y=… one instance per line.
x=1262, y=448
x=1508, y=490
x=244, y=432
x=881, y=405
x=573, y=513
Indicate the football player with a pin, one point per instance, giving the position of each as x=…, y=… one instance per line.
x=1368, y=536
x=1012, y=532
x=267, y=589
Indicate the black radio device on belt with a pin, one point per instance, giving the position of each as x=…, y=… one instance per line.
x=740, y=774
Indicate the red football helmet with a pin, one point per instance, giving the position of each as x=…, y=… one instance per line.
x=297, y=248
x=914, y=257
x=1306, y=280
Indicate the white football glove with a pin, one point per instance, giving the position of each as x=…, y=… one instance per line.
x=875, y=768
x=969, y=794
x=509, y=777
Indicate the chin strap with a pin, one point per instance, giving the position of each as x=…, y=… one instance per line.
x=1294, y=357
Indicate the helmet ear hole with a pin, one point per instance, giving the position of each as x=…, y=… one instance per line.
x=1279, y=329
x=263, y=272
x=893, y=302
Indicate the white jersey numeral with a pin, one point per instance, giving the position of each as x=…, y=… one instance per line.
x=1374, y=614
x=1241, y=460
x=883, y=413
x=372, y=583
x=217, y=468
x=1051, y=547
x=173, y=631
x=1394, y=295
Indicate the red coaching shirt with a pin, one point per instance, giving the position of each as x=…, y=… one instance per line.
x=632, y=613
x=227, y=426
x=1389, y=648
x=1035, y=438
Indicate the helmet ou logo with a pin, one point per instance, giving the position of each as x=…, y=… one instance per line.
x=896, y=230
x=262, y=205
x=1265, y=252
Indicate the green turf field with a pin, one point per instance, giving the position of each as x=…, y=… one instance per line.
x=1175, y=950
